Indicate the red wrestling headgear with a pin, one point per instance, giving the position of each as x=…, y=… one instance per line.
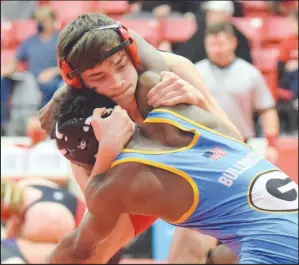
x=72, y=76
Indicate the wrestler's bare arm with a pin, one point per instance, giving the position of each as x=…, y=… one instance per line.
x=107, y=197
x=98, y=223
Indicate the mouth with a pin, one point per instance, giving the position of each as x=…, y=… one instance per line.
x=121, y=94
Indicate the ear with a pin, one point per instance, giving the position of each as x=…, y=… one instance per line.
x=234, y=42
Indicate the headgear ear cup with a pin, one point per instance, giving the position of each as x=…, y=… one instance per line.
x=65, y=69
x=132, y=50
x=76, y=141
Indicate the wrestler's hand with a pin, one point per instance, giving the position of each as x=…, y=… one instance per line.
x=173, y=90
x=115, y=130
x=112, y=133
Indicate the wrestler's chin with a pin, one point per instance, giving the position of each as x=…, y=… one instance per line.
x=126, y=98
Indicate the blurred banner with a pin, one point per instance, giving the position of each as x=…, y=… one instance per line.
x=43, y=160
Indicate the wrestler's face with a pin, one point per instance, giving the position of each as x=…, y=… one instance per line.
x=115, y=78
x=221, y=48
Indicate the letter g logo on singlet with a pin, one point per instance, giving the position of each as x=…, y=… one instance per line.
x=273, y=191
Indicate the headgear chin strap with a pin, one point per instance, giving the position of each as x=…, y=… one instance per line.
x=76, y=141
x=72, y=76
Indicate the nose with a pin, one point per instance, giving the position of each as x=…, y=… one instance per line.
x=118, y=84
x=117, y=77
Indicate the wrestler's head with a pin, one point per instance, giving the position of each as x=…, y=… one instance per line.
x=71, y=127
x=83, y=46
x=116, y=77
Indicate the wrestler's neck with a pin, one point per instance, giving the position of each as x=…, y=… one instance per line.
x=134, y=113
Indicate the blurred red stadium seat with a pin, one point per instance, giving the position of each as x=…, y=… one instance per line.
x=23, y=29
x=112, y=7
x=256, y=8
x=253, y=28
x=7, y=35
x=178, y=29
x=276, y=30
x=266, y=61
x=43, y=3
x=149, y=29
x=68, y=10
x=288, y=6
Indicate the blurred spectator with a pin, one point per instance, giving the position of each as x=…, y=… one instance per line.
x=164, y=9
x=215, y=11
x=283, y=8
x=13, y=10
x=23, y=103
x=238, y=86
x=288, y=59
x=39, y=51
x=288, y=79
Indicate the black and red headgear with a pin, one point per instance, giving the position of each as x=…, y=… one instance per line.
x=76, y=141
x=72, y=76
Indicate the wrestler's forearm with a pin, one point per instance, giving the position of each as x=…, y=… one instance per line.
x=104, y=160
x=63, y=252
x=270, y=122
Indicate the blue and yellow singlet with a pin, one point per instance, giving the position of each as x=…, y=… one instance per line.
x=239, y=198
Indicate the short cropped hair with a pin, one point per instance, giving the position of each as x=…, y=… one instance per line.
x=217, y=28
x=78, y=104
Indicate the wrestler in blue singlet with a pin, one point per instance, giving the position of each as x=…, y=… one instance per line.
x=240, y=198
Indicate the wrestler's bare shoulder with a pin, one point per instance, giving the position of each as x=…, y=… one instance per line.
x=174, y=61
x=201, y=117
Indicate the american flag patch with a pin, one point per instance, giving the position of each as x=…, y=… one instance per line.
x=215, y=153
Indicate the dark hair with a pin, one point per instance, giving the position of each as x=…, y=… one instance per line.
x=78, y=104
x=82, y=45
x=217, y=28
